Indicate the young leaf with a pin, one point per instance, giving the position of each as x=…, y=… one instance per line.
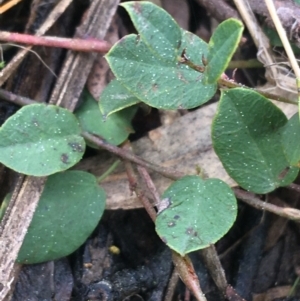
x=114, y=129
x=40, y=140
x=200, y=213
x=4, y=205
x=246, y=135
x=222, y=46
x=161, y=83
x=291, y=139
x=115, y=97
x=156, y=27
x=70, y=208
x=274, y=39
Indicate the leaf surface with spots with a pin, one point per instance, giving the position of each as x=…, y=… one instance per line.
x=221, y=47
x=70, y=208
x=290, y=139
x=148, y=65
x=40, y=140
x=199, y=214
x=115, y=128
x=247, y=137
x=160, y=82
x=115, y=97
x=156, y=27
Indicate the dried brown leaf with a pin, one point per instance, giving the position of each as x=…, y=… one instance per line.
x=185, y=145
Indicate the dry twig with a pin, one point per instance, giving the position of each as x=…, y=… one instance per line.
x=83, y=45
x=15, y=62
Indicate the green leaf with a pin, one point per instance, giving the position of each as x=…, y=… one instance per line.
x=291, y=140
x=4, y=205
x=70, y=208
x=276, y=41
x=222, y=46
x=115, y=97
x=40, y=140
x=114, y=129
x=156, y=27
x=246, y=134
x=161, y=83
x=200, y=213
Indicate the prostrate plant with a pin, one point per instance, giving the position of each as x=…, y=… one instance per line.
x=167, y=68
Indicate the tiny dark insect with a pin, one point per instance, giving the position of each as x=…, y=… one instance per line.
x=64, y=158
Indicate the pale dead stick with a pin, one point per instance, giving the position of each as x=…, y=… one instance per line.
x=21, y=206
x=8, y=5
x=11, y=234
x=16, y=219
x=51, y=19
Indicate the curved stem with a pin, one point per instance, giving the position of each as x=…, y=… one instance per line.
x=167, y=172
x=231, y=84
x=283, y=37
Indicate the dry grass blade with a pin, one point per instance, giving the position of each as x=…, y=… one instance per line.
x=15, y=62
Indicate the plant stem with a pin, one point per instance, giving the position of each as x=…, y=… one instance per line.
x=188, y=275
x=294, y=288
x=285, y=42
x=84, y=45
x=148, y=181
x=223, y=82
x=108, y=171
x=253, y=201
x=56, y=12
x=139, y=193
x=231, y=294
x=183, y=264
x=171, y=286
x=252, y=63
x=294, y=186
x=213, y=264
x=231, y=84
x=283, y=37
x=16, y=99
x=167, y=172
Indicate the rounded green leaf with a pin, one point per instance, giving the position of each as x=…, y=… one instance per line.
x=161, y=83
x=246, y=134
x=115, y=97
x=291, y=140
x=199, y=214
x=70, y=208
x=156, y=27
x=114, y=129
x=222, y=46
x=40, y=140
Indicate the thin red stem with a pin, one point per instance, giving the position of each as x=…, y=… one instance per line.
x=84, y=45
